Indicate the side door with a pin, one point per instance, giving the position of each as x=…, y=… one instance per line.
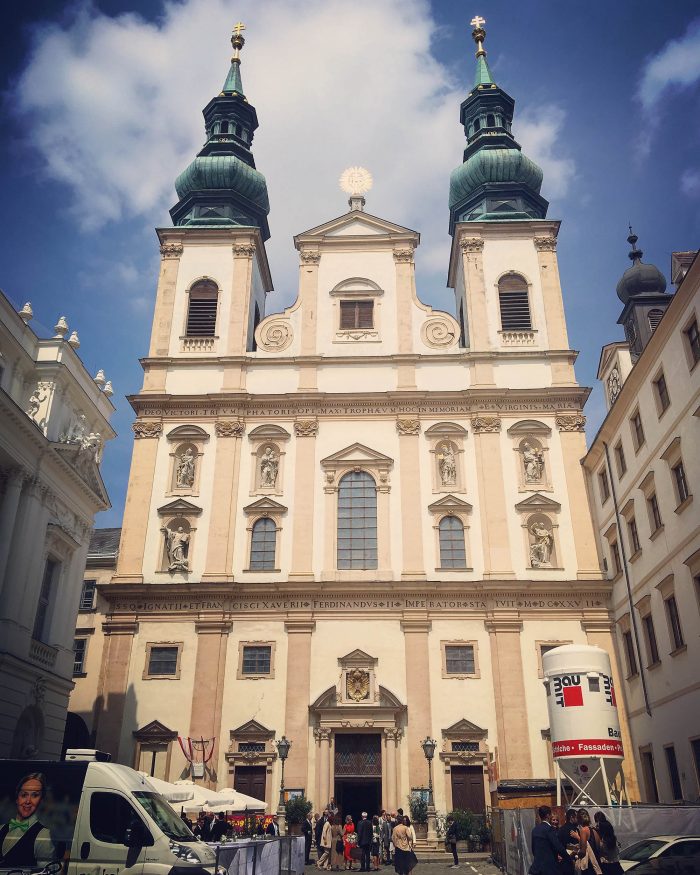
x=106, y=817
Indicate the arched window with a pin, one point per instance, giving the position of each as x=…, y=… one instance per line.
x=654, y=318
x=514, y=303
x=201, y=312
x=477, y=124
x=262, y=545
x=357, y=521
x=490, y=121
x=224, y=127
x=452, y=550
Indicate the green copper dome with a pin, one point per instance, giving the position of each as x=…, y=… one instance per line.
x=493, y=166
x=217, y=172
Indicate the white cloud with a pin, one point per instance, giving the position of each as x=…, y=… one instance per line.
x=690, y=182
x=113, y=106
x=677, y=64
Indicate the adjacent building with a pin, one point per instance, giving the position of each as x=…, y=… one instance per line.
x=643, y=468
x=55, y=423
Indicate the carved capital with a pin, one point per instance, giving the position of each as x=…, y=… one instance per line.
x=322, y=734
x=246, y=250
x=403, y=256
x=306, y=427
x=408, y=426
x=571, y=422
x=171, y=250
x=308, y=257
x=486, y=424
x=230, y=429
x=546, y=244
x=471, y=244
x=147, y=429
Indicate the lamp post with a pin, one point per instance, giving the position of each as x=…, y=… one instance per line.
x=282, y=746
x=429, y=745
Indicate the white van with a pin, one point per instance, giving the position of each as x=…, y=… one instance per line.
x=87, y=816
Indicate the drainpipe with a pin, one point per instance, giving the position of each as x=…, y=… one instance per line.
x=625, y=568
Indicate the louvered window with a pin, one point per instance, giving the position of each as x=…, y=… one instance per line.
x=514, y=303
x=201, y=314
x=654, y=318
x=356, y=314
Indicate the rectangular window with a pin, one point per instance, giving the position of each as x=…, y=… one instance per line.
x=682, y=492
x=163, y=661
x=201, y=317
x=620, y=459
x=594, y=685
x=693, y=337
x=649, y=775
x=615, y=553
x=675, y=778
x=256, y=660
x=654, y=513
x=674, y=622
x=632, y=669
x=662, y=393
x=650, y=634
x=637, y=430
x=634, y=535
x=604, y=486
x=79, y=654
x=356, y=314
x=87, y=595
x=459, y=659
x=41, y=618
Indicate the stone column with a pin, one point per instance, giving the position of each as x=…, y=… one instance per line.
x=296, y=712
x=405, y=294
x=237, y=331
x=113, y=686
x=138, y=502
x=222, y=526
x=514, y=757
x=323, y=735
x=562, y=371
x=416, y=630
x=492, y=498
x=573, y=449
x=25, y=543
x=161, y=331
x=304, y=491
x=390, y=793
x=477, y=312
x=14, y=478
x=411, y=505
x=208, y=691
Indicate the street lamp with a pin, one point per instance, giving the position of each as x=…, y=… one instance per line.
x=282, y=746
x=429, y=745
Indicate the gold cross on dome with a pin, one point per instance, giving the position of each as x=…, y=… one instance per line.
x=477, y=21
x=238, y=28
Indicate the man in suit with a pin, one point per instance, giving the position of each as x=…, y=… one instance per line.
x=546, y=846
x=318, y=832
x=385, y=836
x=273, y=827
x=219, y=829
x=364, y=841
x=307, y=831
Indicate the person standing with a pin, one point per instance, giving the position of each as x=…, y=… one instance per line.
x=318, y=831
x=586, y=841
x=350, y=842
x=220, y=828
x=337, y=845
x=307, y=831
x=569, y=838
x=404, y=858
x=376, y=845
x=546, y=846
x=273, y=827
x=411, y=830
x=364, y=841
x=608, y=845
x=451, y=841
x=324, y=861
x=385, y=836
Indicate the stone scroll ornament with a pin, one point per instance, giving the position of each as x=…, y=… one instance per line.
x=230, y=429
x=306, y=428
x=275, y=335
x=147, y=429
x=408, y=426
x=439, y=332
x=486, y=424
x=570, y=422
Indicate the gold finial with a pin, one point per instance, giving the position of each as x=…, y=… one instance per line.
x=479, y=34
x=237, y=40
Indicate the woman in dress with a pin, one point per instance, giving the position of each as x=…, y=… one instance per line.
x=374, y=847
x=586, y=846
x=350, y=842
x=608, y=844
x=337, y=846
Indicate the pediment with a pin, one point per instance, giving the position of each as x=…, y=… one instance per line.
x=154, y=731
x=606, y=355
x=252, y=729
x=357, y=223
x=83, y=462
x=464, y=729
x=445, y=429
x=450, y=502
x=529, y=426
x=329, y=700
x=269, y=432
x=265, y=505
x=538, y=502
x=357, y=453
x=355, y=658
x=180, y=507
x=187, y=432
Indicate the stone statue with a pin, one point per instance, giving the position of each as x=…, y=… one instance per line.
x=269, y=466
x=447, y=465
x=36, y=399
x=177, y=545
x=541, y=548
x=533, y=462
x=184, y=474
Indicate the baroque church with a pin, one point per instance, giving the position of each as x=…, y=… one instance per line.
x=360, y=522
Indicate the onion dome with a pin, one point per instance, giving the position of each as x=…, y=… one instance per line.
x=496, y=181
x=221, y=186
x=640, y=279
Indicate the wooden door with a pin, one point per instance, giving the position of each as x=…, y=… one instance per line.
x=468, y=788
x=250, y=780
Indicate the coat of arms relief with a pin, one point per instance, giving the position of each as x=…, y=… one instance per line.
x=357, y=684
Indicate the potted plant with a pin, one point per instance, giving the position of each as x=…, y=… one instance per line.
x=464, y=821
x=419, y=815
x=296, y=810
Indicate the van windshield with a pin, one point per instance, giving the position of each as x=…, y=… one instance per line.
x=172, y=825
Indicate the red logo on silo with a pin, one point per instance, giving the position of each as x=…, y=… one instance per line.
x=573, y=697
x=567, y=691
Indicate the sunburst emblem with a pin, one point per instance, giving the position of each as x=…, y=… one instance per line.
x=356, y=181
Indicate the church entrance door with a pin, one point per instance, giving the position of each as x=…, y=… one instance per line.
x=468, y=788
x=358, y=774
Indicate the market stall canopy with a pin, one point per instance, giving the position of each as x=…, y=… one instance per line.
x=171, y=792
x=199, y=795
x=229, y=799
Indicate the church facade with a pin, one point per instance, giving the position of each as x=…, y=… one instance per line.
x=359, y=522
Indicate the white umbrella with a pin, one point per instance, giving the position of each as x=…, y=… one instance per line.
x=229, y=799
x=199, y=795
x=168, y=791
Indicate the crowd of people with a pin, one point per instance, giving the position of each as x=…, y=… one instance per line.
x=384, y=839
x=577, y=845
x=212, y=828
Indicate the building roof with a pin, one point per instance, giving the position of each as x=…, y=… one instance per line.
x=104, y=545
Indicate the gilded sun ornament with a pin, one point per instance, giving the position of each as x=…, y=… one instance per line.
x=355, y=180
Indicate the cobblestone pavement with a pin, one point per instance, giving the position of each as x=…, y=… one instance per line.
x=424, y=867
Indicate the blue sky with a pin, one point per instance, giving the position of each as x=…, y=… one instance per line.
x=103, y=108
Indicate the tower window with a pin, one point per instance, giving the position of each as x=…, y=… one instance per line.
x=477, y=125
x=490, y=121
x=514, y=302
x=357, y=521
x=452, y=551
x=356, y=314
x=201, y=312
x=654, y=318
x=224, y=127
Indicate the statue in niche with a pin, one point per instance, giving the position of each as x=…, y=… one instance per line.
x=177, y=545
x=184, y=474
x=541, y=548
x=269, y=467
x=447, y=465
x=36, y=399
x=533, y=462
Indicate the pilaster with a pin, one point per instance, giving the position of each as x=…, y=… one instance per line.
x=411, y=516
x=222, y=526
x=308, y=296
x=477, y=312
x=296, y=712
x=416, y=630
x=303, y=519
x=243, y=251
x=405, y=295
x=492, y=498
x=14, y=479
x=112, y=689
x=161, y=332
x=562, y=372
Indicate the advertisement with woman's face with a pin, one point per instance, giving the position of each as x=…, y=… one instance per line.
x=38, y=808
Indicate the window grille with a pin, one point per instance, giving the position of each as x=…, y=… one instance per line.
x=676, y=787
x=201, y=313
x=87, y=595
x=459, y=659
x=42, y=609
x=251, y=747
x=262, y=545
x=79, y=653
x=256, y=660
x=654, y=317
x=357, y=521
x=466, y=746
x=162, y=661
x=514, y=302
x=452, y=549
x=356, y=314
